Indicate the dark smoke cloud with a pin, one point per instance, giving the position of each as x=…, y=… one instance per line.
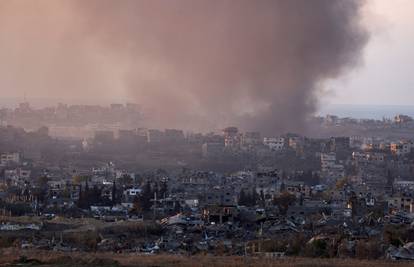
x=193, y=63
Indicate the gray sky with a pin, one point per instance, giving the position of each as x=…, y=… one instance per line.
x=386, y=77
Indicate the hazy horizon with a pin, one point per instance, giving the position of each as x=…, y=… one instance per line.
x=357, y=111
x=265, y=65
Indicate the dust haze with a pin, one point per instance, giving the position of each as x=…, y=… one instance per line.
x=192, y=64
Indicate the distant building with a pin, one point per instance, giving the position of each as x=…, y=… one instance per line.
x=117, y=106
x=331, y=171
x=400, y=119
x=403, y=185
x=295, y=142
x=24, y=107
x=231, y=137
x=339, y=143
x=356, y=141
x=155, y=136
x=127, y=135
x=133, y=107
x=10, y=158
x=17, y=176
x=328, y=160
x=249, y=139
x=401, y=203
x=212, y=149
x=400, y=149
x=331, y=119
x=368, y=157
x=220, y=197
x=174, y=136
x=132, y=192
x=274, y=143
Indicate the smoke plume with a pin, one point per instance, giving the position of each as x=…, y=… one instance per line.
x=190, y=63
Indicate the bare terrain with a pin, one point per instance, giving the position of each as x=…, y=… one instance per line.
x=13, y=257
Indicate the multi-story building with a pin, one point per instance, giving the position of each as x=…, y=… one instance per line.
x=295, y=142
x=17, y=176
x=155, y=136
x=328, y=160
x=220, y=197
x=402, y=203
x=212, y=149
x=10, y=158
x=368, y=157
x=400, y=149
x=174, y=135
x=399, y=119
x=249, y=139
x=231, y=137
x=274, y=143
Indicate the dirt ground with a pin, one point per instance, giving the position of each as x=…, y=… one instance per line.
x=14, y=257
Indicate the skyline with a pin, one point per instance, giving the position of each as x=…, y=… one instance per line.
x=201, y=65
